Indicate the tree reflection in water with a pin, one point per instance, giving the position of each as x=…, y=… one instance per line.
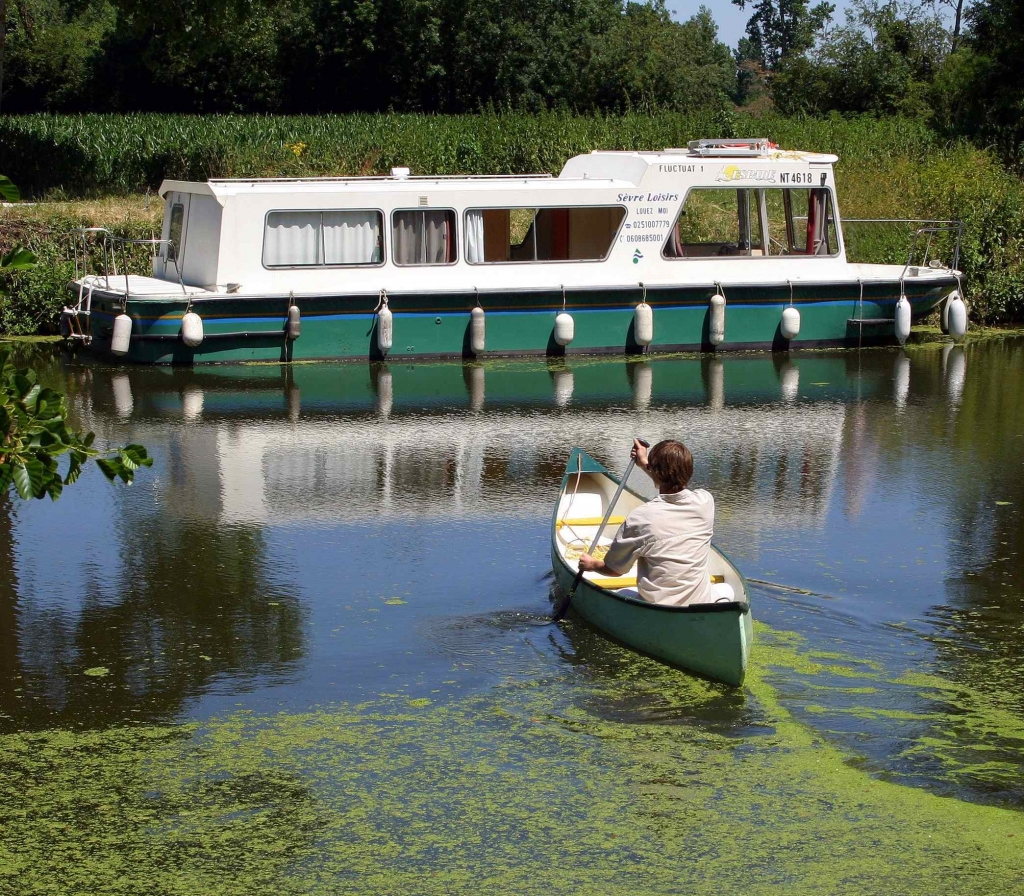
x=191, y=601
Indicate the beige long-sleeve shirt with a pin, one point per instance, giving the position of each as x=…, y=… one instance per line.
x=669, y=538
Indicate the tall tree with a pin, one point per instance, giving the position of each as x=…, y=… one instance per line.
x=979, y=91
x=957, y=6
x=52, y=50
x=883, y=60
x=781, y=29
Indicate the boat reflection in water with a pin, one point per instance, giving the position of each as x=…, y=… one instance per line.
x=272, y=444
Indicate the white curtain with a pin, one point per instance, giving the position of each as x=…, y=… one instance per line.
x=435, y=247
x=421, y=237
x=292, y=238
x=475, y=236
x=408, y=234
x=352, y=237
x=819, y=236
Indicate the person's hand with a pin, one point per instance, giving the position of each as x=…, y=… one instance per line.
x=590, y=564
x=639, y=454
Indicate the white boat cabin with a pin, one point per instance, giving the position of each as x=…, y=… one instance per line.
x=741, y=211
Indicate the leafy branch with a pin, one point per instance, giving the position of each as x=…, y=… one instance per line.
x=18, y=259
x=34, y=434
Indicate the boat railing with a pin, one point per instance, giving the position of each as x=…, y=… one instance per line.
x=923, y=241
x=76, y=319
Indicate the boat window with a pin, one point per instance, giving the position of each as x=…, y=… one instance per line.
x=177, y=224
x=353, y=237
x=424, y=236
x=541, y=234
x=754, y=223
x=307, y=239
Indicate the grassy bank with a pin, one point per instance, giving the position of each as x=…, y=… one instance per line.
x=33, y=299
x=889, y=168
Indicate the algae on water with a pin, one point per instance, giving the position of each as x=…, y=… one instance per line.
x=638, y=780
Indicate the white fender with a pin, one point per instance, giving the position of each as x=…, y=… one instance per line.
x=790, y=326
x=716, y=323
x=192, y=329
x=643, y=324
x=122, y=337
x=956, y=317
x=565, y=328
x=901, y=320
x=385, y=330
x=293, y=326
x=477, y=330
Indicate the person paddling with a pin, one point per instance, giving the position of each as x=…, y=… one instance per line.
x=669, y=537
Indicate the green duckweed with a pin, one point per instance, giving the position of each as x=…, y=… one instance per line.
x=597, y=781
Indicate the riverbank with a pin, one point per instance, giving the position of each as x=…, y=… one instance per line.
x=888, y=169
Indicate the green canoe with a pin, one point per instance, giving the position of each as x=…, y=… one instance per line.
x=711, y=639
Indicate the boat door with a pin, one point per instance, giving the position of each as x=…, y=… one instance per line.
x=172, y=253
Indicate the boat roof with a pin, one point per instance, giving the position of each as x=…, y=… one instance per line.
x=222, y=188
x=599, y=169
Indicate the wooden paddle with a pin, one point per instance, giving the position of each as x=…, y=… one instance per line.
x=563, y=607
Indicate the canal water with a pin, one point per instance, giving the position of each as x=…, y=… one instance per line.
x=308, y=651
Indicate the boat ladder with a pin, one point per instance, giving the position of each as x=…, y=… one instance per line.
x=76, y=319
x=929, y=228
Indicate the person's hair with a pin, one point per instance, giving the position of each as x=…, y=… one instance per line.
x=671, y=465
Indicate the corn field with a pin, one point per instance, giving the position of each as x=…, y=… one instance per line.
x=89, y=155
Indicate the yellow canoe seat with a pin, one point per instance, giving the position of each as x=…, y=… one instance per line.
x=630, y=582
x=616, y=583
x=590, y=521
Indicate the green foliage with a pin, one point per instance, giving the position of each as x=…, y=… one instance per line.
x=34, y=434
x=53, y=48
x=16, y=258
x=39, y=242
x=8, y=191
x=883, y=60
x=89, y=155
x=980, y=92
x=635, y=64
x=779, y=30
x=350, y=55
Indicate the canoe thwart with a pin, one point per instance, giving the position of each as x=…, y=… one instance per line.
x=616, y=583
x=590, y=521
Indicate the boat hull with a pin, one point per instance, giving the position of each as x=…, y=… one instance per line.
x=436, y=325
x=712, y=640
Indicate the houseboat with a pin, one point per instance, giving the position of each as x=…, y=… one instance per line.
x=726, y=244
